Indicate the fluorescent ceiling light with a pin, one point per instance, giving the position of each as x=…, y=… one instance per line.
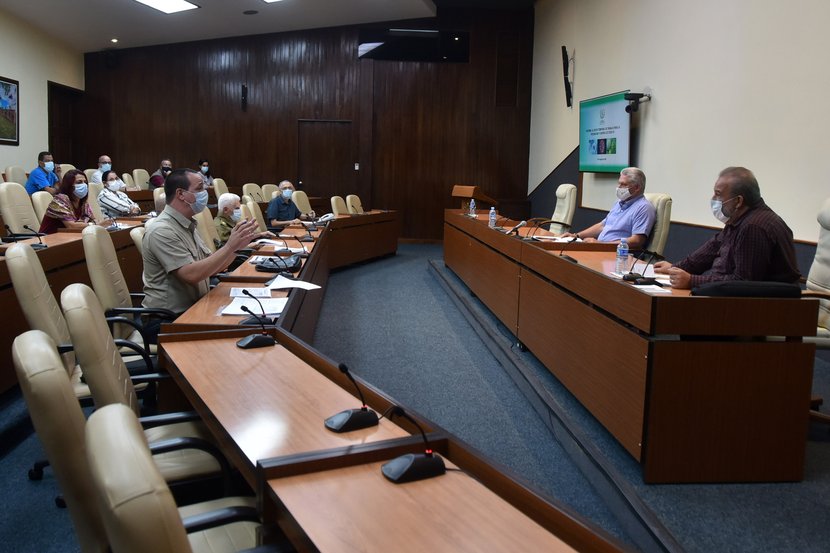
x=169, y=6
x=271, y=1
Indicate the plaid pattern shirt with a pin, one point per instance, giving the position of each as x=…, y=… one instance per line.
x=758, y=246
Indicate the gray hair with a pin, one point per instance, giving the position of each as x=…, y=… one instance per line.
x=226, y=200
x=285, y=182
x=742, y=182
x=635, y=176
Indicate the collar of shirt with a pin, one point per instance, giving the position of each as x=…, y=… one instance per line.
x=185, y=222
x=625, y=204
x=737, y=222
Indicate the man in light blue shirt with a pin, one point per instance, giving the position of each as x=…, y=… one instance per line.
x=632, y=217
x=45, y=176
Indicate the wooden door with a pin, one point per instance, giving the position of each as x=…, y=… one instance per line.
x=65, y=124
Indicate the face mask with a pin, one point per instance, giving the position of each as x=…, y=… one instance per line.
x=166, y=170
x=236, y=215
x=717, y=210
x=201, y=201
x=114, y=185
x=81, y=189
x=49, y=166
x=205, y=169
x=106, y=167
x=286, y=194
x=623, y=193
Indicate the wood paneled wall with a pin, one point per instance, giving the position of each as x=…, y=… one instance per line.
x=418, y=128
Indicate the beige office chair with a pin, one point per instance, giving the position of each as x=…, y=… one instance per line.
x=818, y=279
x=40, y=202
x=563, y=213
x=128, y=180
x=137, y=234
x=204, y=224
x=66, y=167
x=92, y=199
x=254, y=191
x=219, y=186
x=89, y=173
x=157, y=192
x=59, y=423
x=15, y=173
x=268, y=191
x=662, y=221
x=16, y=208
x=141, y=178
x=110, y=383
x=253, y=209
x=300, y=199
x=354, y=205
x=138, y=509
x=338, y=206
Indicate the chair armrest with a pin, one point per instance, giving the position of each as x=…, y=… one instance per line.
x=168, y=418
x=176, y=444
x=152, y=311
x=65, y=348
x=815, y=294
x=219, y=517
x=148, y=378
x=138, y=349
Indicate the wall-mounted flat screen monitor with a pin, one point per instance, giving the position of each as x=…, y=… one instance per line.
x=604, y=134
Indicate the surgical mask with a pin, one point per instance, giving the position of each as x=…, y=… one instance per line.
x=236, y=215
x=717, y=210
x=200, y=202
x=286, y=194
x=106, y=167
x=115, y=185
x=205, y=169
x=81, y=189
x=49, y=166
x=623, y=193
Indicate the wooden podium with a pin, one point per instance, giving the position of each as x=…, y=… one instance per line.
x=467, y=193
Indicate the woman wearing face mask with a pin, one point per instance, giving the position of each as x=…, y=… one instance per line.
x=204, y=170
x=69, y=208
x=228, y=215
x=114, y=202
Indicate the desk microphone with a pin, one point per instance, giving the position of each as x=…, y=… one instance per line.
x=306, y=238
x=562, y=251
x=638, y=278
x=413, y=466
x=40, y=245
x=252, y=341
x=499, y=221
x=305, y=250
x=352, y=419
x=516, y=228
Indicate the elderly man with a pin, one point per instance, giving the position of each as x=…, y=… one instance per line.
x=632, y=217
x=228, y=215
x=46, y=176
x=104, y=165
x=755, y=243
x=177, y=264
x=281, y=210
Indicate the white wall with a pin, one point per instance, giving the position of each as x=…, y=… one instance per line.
x=33, y=58
x=742, y=82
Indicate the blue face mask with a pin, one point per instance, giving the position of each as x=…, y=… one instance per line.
x=201, y=201
x=286, y=194
x=236, y=215
x=49, y=166
x=205, y=169
x=81, y=189
x=106, y=167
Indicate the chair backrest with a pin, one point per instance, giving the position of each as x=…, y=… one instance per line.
x=138, y=509
x=204, y=224
x=104, y=370
x=137, y=234
x=353, y=204
x=268, y=191
x=219, y=186
x=105, y=274
x=246, y=213
x=253, y=209
x=338, y=206
x=253, y=190
x=563, y=213
x=662, y=221
x=141, y=178
x=15, y=173
x=66, y=167
x=92, y=198
x=40, y=202
x=300, y=199
x=89, y=173
x=59, y=423
x=157, y=192
x=128, y=180
x=36, y=300
x=16, y=207
x=818, y=277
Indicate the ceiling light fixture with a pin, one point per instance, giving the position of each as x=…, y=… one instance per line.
x=114, y=40
x=271, y=1
x=169, y=6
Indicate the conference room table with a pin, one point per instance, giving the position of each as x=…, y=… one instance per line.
x=696, y=389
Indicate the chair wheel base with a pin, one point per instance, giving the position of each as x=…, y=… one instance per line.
x=35, y=474
x=60, y=503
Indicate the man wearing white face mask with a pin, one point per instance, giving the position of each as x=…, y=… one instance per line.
x=281, y=210
x=755, y=243
x=228, y=215
x=112, y=199
x=632, y=217
x=177, y=264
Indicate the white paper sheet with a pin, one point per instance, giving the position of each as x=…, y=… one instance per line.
x=256, y=292
x=272, y=306
x=281, y=282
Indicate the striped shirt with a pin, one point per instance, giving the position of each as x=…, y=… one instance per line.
x=115, y=204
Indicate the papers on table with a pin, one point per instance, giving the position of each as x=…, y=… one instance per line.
x=281, y=282
x=654, y=289
x=551, y=238
x=269, y=242
x=256, y=292
x=272, y=306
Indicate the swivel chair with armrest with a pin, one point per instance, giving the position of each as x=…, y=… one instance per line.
x=662, y=221
x=353, y=204
x=40, y=202
x=253, y=190
x=563, y=213
x=338, y=206
x=818, y=286
x=17, y=210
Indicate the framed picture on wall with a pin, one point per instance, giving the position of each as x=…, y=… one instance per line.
x=9, y=112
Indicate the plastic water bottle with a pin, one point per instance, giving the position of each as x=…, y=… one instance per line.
x=492, y=222
x=472, y=207
x=622, y=257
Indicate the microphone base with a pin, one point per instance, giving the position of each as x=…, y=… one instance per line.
x=631, y=277
x=39, y=246
x=255, y=341
x=352, y=419
x=258, y=321
x=412, y=467
x=305, y=238
x=568, y=258
x=646, y=281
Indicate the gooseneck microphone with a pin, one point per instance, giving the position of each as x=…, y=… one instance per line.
x=255, y=340
x=562, y=251
x=352, y=419
x=640, y=279
x=413, y=466
x=516, y=228
x=306, y=237
x=40, y=245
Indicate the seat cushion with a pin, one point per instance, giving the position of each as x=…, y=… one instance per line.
x=185, y=463
x=224, y=539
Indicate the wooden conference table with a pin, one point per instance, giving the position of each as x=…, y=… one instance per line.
x=689, y=386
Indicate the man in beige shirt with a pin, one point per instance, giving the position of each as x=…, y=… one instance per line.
x=177, y=264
